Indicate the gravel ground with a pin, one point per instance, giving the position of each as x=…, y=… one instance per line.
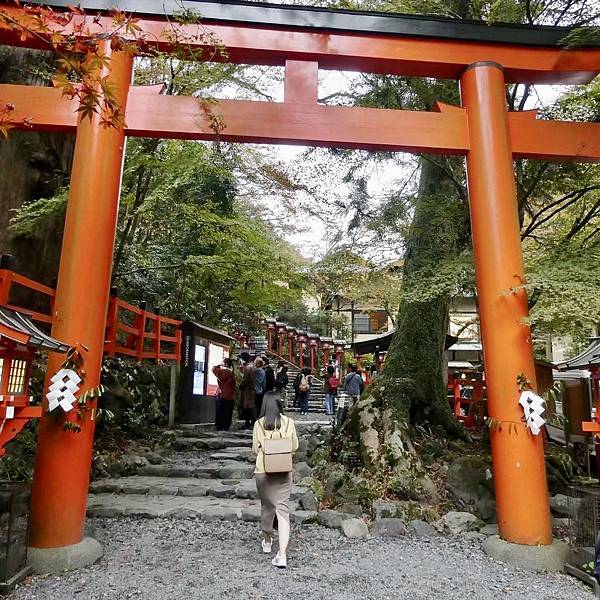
x=163, y=560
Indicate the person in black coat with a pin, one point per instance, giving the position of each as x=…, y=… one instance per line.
x=269, y=376
x=281, y=377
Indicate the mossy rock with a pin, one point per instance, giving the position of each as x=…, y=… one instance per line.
x=355, y=490
x=409, y=510
x=469, y=479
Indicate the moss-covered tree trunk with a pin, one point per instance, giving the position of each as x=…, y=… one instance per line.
x=414, y=366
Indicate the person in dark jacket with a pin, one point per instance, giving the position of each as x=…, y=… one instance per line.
x=259, y=386
x=225, y=395
x=281, y=377
x=296, y=385
x=247, y=387
x=269, y=376
x=353, y=383
x=304, y=390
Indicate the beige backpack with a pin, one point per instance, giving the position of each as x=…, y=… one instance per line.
x=277, y=452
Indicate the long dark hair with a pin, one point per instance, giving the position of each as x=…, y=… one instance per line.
x=271, y=412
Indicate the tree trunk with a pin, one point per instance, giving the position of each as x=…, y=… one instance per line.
x=413, y=373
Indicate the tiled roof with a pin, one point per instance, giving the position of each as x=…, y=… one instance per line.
x=19, y=325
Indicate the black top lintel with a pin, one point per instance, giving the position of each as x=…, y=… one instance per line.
x=281, y=16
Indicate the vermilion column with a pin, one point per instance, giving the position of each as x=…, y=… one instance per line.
x=63, y=459
x=518, y=459
x=270, y=330
x=291, y=337
x=301, y=353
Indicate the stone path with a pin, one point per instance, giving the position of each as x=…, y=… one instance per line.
x=165, y=559
x=209, y=477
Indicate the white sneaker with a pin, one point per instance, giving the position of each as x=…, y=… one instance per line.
x=279, y=561
x=266, y=546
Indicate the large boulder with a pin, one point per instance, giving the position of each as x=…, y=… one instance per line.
x=302, y=470
x=469, y=479
x=355, y=528
x=308, y=501
x=334, y=480
x=460, y=522
x=389, y=528
x=427, y=490
x=421, y=529
x=354, y=490
x=383, y=509
x=563, y=506
x=351, y=509
x=332, y=519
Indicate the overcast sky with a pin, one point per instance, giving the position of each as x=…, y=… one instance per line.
x=311, y=233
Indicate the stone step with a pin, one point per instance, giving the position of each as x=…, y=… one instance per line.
x=207, y=431
x=176, y=507
x=168, y=469
x=236, y=453
x=210, y=443
x=211, y=434
x=141, y=485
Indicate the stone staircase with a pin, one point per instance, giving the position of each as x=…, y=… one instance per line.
x=208, y=476
x=316, y=400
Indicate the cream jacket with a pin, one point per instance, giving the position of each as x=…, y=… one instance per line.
x=287, y=429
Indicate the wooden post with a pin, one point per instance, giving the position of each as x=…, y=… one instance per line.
x=172, y=394
x=518, y=459
x=63, y=459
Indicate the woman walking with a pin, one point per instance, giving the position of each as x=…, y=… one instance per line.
x=273, y=488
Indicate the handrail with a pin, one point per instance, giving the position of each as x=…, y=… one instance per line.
x=148, y=335
x=290, y=364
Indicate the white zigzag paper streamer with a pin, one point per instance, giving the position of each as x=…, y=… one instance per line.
x=534, y=408
x=63, y=389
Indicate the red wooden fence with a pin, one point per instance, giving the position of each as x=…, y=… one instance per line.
x=130, y=330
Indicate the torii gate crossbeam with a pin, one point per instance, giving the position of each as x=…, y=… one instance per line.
x=483, y=59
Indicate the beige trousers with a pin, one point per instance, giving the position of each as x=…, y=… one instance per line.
x=274, y=493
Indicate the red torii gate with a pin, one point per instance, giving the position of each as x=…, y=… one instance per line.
x=482, y=58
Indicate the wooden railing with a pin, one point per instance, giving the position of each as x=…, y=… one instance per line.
x=43, y=295
x=133, y=331
x=130, y=330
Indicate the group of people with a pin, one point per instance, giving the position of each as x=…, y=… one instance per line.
x=249, y=384
x=353, y=385
x=255, y=378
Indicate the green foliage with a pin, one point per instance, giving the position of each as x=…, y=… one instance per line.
x=298, y=314
x=582, y=37
x=29, y=218
x=136, y=395
x=17, y=463
x=349, y=278
x=187, y=246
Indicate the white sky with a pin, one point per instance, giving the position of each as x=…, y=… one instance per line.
x=309, y=233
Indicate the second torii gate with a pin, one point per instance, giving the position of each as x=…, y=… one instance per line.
x=304, y=40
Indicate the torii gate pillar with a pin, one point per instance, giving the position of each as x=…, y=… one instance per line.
x=518, y=457
x=63, y=459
